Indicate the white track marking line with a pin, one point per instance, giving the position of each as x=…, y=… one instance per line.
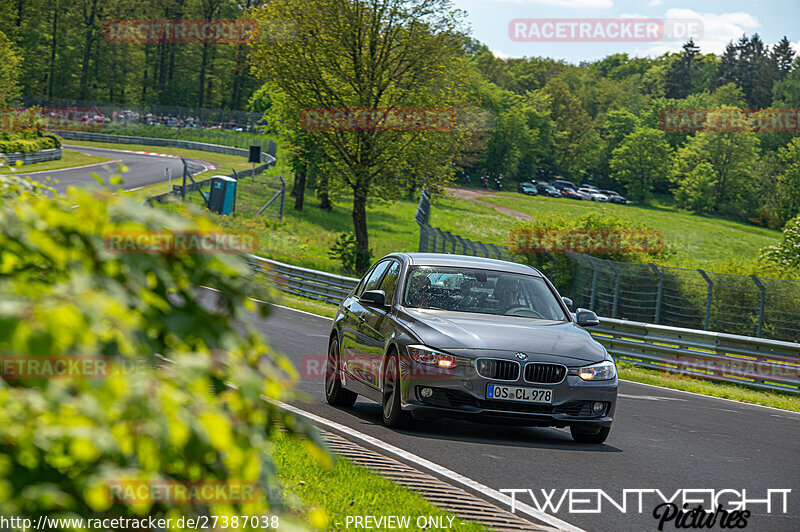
x=436, y=468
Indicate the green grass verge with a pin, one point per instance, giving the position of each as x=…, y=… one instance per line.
x=715, y=389
x=699, y=241
x=313, y=306
x=69, y=159
x=344, y=489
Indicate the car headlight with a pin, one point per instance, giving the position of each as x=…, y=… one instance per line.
x=602, y=371
x=431, y=357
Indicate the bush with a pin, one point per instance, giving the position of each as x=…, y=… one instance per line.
x=167, y=413
x=347, y=251
x=602, y=227
x=27, y=141
x=785, y=257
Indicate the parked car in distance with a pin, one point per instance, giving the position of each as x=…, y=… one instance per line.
x=592, y=195
x=561, y=184
x=528, y=188
x=569, y=193
x=615, y=197
x=431, y=335
x=549, y=190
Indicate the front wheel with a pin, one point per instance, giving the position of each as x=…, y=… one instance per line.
x=335, y=393
x=393, y=414
x=597, y=435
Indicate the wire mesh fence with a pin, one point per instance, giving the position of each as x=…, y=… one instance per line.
x=663, y=295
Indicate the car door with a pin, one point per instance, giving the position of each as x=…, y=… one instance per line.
x=376, y=328
x=354, y=343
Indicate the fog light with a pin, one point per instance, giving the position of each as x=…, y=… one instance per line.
x=426, y=392
x=598, y=407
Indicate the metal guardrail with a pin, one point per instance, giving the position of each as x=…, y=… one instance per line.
x=304, y=282
x=266, y=156
x=755, y=362
x=40, y=156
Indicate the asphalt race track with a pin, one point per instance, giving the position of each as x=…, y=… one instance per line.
x=143, y=169
x=661, y=439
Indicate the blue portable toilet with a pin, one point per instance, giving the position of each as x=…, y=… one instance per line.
x=222, y=199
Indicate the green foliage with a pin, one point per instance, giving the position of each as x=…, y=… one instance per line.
x=557, y=265
x=347, y=251
x=785, y=256
x=696, y=190
x=642, y=158
x=733, y=158
x=9, y=64
x=27, y=141
x=165, y=412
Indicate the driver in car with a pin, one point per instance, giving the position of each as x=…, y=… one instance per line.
x=507, y=292
x=419, y=291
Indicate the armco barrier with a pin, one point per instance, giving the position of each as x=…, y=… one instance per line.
x=151, y=141
x=39, y=156
x=308, y=283
x=755, y=362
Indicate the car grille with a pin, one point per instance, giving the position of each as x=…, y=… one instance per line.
x=545, y=373
x=505, y=370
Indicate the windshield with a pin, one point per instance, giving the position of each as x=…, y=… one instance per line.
x=481, y=291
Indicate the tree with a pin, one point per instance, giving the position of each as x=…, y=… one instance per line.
x=783, y=55
x=682, y=72
x=9, y=62
x=696, y=191
x=643, y=157
x=572, y=128
x=374, y=55
x=789, y=180
x=734, y=157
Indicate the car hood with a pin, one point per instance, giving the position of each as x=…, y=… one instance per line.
x=463, y=333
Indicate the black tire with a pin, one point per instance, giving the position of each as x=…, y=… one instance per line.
x=335, y=393
x=393, y=414
x=597, y=435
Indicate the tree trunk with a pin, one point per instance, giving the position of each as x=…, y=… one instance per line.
x=300, y=174
x=53, y=48
x=203, y=66
x=360, y=226
x=87, y=50
x=322, y=193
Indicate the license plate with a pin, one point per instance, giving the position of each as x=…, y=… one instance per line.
x=518, y=393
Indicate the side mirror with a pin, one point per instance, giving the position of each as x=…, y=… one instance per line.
x=567, y=301
x=586, y=318
x=375, y=298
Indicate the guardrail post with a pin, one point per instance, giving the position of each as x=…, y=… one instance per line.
x=659, y=292
x=283, y=195
x=616, y=290
x=708, y=298
x=760, y=304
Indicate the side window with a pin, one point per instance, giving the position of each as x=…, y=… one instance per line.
x=371, y=282
x=389, y=284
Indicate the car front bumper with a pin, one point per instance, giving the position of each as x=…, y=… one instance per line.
x=461, y=393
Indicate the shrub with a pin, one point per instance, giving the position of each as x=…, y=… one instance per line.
x=785, y=256
x=347, y=251
x=170, y=415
